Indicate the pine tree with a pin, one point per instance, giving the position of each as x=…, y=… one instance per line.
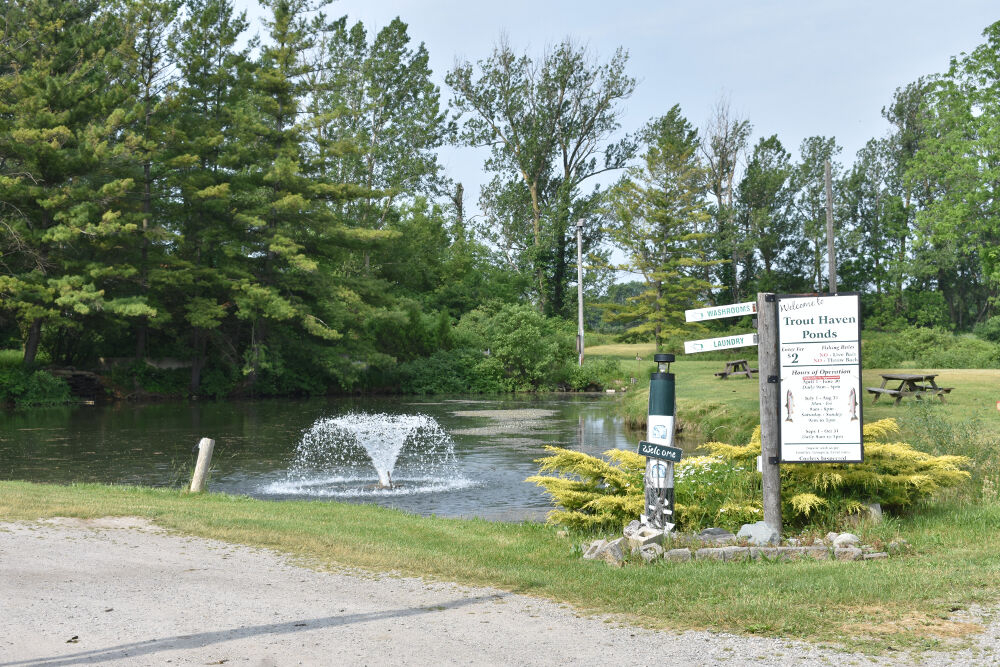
x=61, y=132
x=657, y=212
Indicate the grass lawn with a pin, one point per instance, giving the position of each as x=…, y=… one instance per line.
x=903, y=602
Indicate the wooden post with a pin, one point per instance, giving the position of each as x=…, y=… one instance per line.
x=768, y=373
x=205, y=447
x=831, y=253
x=579, y=287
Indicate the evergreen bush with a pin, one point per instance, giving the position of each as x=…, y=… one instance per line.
x=723, y=488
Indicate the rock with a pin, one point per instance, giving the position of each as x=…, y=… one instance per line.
x=847, y=553
x=735, y=553
x=846, y=540
x=790, y=553
x=794, y=542
x=897, y=546
x=631, y=529
x=817, y=553
x=594, y=549
x=759, y=534
x=562, y=533
x=830, y=537
x=766, y=553
x=643, y=536
x=613, y=552
x=876, y=556
x=716, y=536
x=678, y=555
x=650, y=552
x=710, y=554
x=874, y=512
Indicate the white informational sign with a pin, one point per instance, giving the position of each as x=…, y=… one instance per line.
x=709, y=344
x=819, y=353
x=716, y=312
x=660, y=431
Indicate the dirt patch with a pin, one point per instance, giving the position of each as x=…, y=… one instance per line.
x=923, y=624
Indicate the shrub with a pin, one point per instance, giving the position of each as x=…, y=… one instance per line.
x=447, y=372
x=724, y=488
x=24, y=387
x=594, y=375
x=989, y=330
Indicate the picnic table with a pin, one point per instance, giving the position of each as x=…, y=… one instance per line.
x=910, y=384
x=738, y=367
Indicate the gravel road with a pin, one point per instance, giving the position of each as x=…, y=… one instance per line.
x=123, y=592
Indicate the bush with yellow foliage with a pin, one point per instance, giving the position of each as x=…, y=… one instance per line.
x=723, y=488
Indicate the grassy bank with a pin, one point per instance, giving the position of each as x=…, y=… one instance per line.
x=903, y=602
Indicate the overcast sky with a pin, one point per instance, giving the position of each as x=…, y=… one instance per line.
x=794, y=68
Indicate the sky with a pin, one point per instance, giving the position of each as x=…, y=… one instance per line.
x=795, y=68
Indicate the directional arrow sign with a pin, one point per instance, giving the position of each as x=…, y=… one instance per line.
x=655, y=451
x=716, y=312
x=709, y=344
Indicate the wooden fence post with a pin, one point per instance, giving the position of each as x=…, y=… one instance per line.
x=769, y=372
x=205, y=447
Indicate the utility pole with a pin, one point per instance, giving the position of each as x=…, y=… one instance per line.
x=579, y=288
x=831, y=254
x=769, y=373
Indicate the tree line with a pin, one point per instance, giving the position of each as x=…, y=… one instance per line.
x=272, y=208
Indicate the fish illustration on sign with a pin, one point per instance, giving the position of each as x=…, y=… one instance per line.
x=852, y=402
x=788, y=405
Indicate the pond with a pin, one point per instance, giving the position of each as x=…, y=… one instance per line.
x=261, y=448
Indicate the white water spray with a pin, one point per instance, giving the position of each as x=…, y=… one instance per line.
x=407, y=453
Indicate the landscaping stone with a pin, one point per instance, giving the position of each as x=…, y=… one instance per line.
x=716, y=536
x=874, y=512
x=846, y=540
x=631, y=529
x=830, y=537
x=759, y=534
x=794, y=542
x=678, y=555
x=710, y=554
x=897, y=546
x=650, y=552
x=613, y=553
x=643, y=536
x=817, y=553
x=735, y=553
x=594, y=548
x=790, y=553
x=847, y=553
x=880, y=555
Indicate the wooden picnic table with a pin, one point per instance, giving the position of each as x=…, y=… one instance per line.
x=738, y=367
x=910, y=384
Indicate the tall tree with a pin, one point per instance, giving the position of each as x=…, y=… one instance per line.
x=208, y=111
x=550, y=126
x=958, y=162
x=724, y=145
x=810, y=200
x=762, y=208
x=658, y=213
x=146, y=76
x=61, y=130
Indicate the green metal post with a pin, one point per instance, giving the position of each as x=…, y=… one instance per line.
x=659, y=478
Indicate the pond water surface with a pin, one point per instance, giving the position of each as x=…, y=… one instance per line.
x=495, y=444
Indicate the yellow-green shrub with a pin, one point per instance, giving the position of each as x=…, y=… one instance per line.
x=723, y=488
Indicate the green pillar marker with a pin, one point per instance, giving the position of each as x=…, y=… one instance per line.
x=659, y=477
